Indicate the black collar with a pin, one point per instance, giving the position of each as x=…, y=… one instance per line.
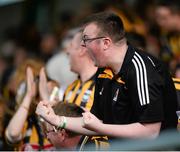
x=127, y=59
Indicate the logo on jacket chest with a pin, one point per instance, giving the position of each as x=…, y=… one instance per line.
x=116, y=95
x=101, y=92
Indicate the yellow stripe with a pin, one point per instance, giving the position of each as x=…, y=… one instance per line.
x=177, y=86
x=120, y=81
x=101, y=142
x=176, y=83
x=105, y=137
x=99, y=137
x=71, y=100
x=103, y=145
x=96, y=143
x=69, y=88
x=109, y=75
x=105, y=76
x=109, y=72
x=90, y=100
x=84, y=88
x=34, y=139
x=34, y=136
x=176, y=79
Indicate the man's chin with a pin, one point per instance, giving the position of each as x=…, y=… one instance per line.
x=95, y=65
x=98, y=65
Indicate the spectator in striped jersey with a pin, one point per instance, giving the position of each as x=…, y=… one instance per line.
x=81, y=91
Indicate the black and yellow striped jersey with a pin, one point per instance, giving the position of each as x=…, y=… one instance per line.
x=81, y=94
x=93, y=143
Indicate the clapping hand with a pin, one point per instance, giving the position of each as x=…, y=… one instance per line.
x=31, y=85
x=43, y=85
x=45, y=111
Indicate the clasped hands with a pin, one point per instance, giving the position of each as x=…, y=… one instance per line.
x=45, y=111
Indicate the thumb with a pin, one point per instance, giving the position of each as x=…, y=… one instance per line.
x=84, y=109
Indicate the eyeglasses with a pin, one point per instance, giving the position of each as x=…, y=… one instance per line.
x=86, y=40
x=53, y=129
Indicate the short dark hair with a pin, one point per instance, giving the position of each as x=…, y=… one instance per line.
x=68, y=110
x=109, y=23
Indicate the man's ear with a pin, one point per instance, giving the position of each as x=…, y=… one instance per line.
x=107, y=42
x=64, y=134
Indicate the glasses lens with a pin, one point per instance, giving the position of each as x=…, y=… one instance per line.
x=85, y=40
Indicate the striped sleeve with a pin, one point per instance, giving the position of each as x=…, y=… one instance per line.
x=141, y=79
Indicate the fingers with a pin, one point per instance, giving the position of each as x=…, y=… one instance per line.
x=39, y=108
x=85, y=110
x=31, y=86
x=45, y=111
x=29, y=76
x=42, y=73
x=43, y=89
x=42, y=108
x=43, y=76
x=87, y=118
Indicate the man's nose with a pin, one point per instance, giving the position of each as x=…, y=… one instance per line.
x=48, y=136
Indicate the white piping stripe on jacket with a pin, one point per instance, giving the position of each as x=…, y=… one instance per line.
x=137, y=77
x=141, y=75
x=151, y=61
x=141, y=84
x=145, y=75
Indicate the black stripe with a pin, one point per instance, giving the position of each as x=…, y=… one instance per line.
x=77, y=93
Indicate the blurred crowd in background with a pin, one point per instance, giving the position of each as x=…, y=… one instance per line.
x=43, y=35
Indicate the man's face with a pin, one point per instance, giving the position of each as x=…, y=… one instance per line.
x=54, y=136
x=73, y=52
x=94, y=44
x=61, y=139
